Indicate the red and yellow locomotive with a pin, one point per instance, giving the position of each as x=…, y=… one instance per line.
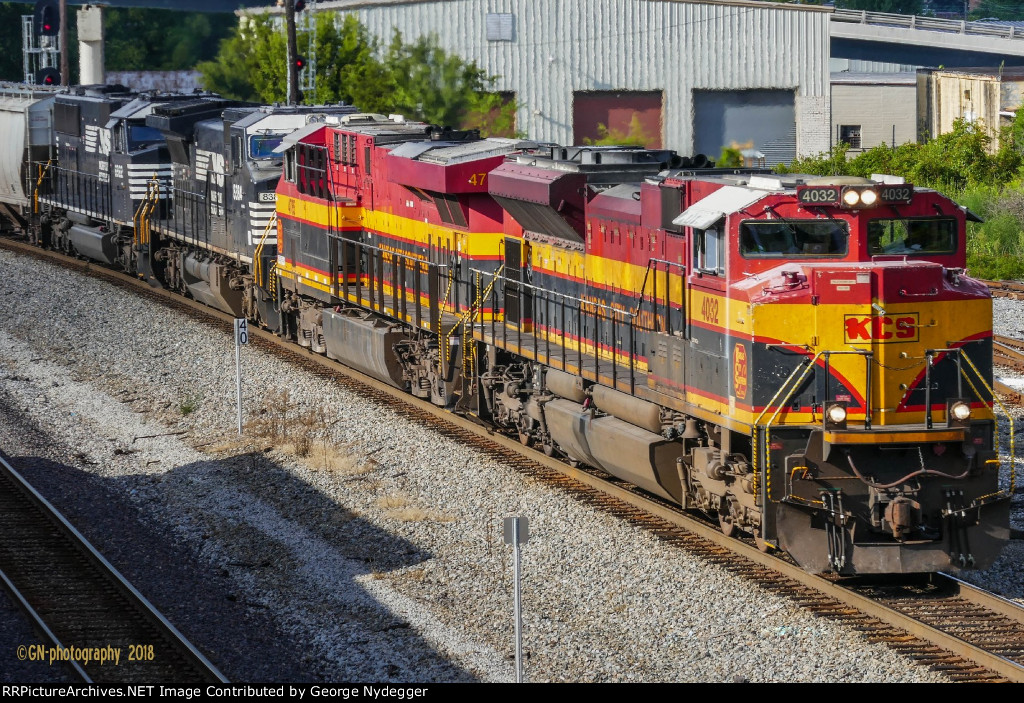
x=804, y=358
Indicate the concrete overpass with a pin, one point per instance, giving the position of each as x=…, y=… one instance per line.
x=924, y=41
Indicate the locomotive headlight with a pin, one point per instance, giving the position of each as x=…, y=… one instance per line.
x=958, y=412
x=851, y=197
x=835, y=416
x=868, y=197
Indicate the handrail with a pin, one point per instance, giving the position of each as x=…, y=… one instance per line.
x=647, y=273
x=935, y=24
x=471, y=312
x=1008, y=493
x=145, y=209
x=257, y=254
x=565, y=296
x=39, y=183
x=799, y=373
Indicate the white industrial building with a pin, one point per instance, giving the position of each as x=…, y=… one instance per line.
x=694, y=75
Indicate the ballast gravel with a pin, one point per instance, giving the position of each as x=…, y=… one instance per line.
x=337, y=542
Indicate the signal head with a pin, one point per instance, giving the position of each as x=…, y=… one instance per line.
x=47, y=18
x=48, y=76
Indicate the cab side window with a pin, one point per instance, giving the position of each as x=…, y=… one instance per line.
x=709, y=250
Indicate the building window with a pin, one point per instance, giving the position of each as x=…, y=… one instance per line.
x=499, y=26
x=850, y=134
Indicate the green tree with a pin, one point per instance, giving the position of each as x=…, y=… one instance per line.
x=418, y=79
x=161, y=40
x=1000, y=9
x=250, y=64
x=347, y=67
x=432, y=85
x=903, y=7
x=10, y=38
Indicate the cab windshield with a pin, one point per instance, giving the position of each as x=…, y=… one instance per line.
x=933, y=235
x=140, y=135
x=261, y=146
x=765, y=239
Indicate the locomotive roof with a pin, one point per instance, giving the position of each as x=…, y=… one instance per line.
x=285, y=117
x=450, y=153
x=143, y=105
x=384, y=129
x=603, y=167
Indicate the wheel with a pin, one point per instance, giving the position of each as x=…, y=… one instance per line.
x=725, y=522
x=762, y=544
x=549, y=449
x=524, y=439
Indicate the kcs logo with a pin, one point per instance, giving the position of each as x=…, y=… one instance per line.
x=881, y=328
x=739, y=370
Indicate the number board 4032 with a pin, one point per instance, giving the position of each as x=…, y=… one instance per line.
x=819, y=195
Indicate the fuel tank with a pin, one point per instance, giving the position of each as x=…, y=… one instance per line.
x=93, y=243
x=365, y=342
x=625, y=451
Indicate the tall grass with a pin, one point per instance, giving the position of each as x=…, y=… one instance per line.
x=995, y=247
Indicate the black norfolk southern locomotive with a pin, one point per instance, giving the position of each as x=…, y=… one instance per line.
x=803, y=358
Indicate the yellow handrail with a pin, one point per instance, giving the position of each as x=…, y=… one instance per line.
x=258, y=254
x=474, y=308
x=1013, y=446
x=39, y=183
x=145, y=209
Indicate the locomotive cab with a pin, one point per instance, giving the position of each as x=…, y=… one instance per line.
x=859, y=354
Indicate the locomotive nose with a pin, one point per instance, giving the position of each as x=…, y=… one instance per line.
x=898, y=316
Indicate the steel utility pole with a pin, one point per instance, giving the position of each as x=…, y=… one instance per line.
x=65, y=71
x=293, y=69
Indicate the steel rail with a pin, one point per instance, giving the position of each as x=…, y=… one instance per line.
x=69, y=535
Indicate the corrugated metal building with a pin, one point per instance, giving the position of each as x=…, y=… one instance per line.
x=697, y=76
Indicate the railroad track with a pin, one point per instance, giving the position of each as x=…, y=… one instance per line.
x=942, y=623
x=1006, y=289
x=88, y=616
x=1009, y=352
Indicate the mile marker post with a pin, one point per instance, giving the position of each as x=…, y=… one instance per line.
x=241, y=337
x=517, y=532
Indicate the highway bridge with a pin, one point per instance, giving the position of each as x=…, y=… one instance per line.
x=924, y=41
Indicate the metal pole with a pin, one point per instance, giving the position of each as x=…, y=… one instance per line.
x=63, y=38
x=238, y=379
x=293, y=72
x=518, y=604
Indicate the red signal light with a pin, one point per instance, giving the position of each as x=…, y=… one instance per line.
x=47, y=18
x=48, y=76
